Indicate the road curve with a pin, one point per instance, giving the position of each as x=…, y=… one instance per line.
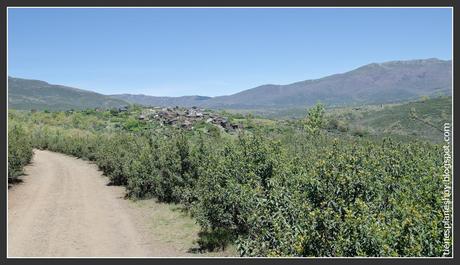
x=64, y=208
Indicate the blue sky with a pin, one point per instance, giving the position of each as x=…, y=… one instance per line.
x=174, y=52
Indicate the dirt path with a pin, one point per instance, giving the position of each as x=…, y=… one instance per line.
x=64, y=208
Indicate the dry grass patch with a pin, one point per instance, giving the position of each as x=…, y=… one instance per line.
x=170, y=224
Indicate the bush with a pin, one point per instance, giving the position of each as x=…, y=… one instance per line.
x=355, y=201
x=19, y=150
x=273, y=194
x=360, y=131
x=315, y=119
x=335, y=124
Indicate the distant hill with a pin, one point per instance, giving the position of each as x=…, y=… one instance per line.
x=398, y=119
x=34, y=94
x=372, y=83
x=394, y=81
x=185, y=101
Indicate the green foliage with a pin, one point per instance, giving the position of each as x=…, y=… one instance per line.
x=270, y=192
x=19, y=150
x=355, y=200
x=132, y=125
x=336, y=124
x=315, y=119
x=359, y=131
x=214, y=240
x=422, y=119
x=114, y=112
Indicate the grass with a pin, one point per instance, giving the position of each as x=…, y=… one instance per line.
x=171, y=224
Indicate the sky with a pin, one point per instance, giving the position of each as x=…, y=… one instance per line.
x=214, y=51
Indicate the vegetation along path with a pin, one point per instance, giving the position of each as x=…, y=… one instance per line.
x=65, y=207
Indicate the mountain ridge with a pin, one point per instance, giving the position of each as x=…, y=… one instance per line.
x=411, y=79
x=384, y=82
x=40, y=95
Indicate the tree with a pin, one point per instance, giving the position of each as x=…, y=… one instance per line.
x=315, y=119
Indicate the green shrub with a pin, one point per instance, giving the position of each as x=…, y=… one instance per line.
x=19, y=150
x=273, y=193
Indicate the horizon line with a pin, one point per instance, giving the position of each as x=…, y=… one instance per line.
x=268, y=84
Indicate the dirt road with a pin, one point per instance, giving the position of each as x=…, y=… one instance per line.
x=64, y=208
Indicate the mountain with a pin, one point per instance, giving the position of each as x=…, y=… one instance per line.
x=34, y=94
x=373, y=83
x=185, y=101
x=387, y=82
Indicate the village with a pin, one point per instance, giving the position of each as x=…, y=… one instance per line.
x=184, y=117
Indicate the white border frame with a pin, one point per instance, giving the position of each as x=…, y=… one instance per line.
x=237, y=7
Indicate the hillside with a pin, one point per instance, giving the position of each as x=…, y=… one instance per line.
x=373, y=83
x=398, y=119
x=40, y=95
